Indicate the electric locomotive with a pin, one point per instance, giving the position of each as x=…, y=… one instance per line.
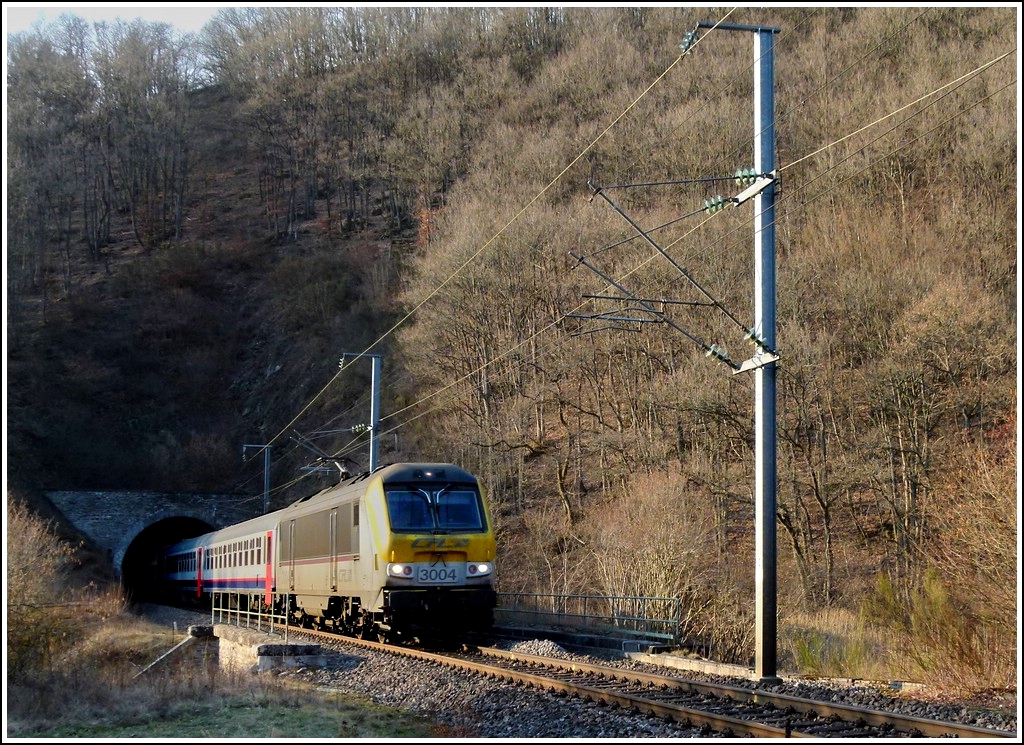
x=400, y=552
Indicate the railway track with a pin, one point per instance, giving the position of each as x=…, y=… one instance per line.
x=722, y=709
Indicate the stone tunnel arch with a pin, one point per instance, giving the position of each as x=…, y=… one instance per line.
x=129, y=527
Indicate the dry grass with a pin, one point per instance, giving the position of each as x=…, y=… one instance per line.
x=834, y=642
x=98, y=689
x=78, y=666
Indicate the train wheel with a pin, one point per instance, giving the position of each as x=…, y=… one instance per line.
x=372, y=632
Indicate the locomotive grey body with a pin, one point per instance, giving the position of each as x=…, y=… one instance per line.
x=406, y=549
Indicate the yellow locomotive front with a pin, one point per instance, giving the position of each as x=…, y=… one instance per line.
x=438, y=548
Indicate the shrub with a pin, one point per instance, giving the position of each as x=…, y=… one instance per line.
x=940, y=638
x=38, y=565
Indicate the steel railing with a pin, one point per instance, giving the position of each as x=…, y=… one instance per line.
x=232, y=608
x=652, y=617
x=656, y=617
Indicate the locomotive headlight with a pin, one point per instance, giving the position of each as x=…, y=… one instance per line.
x=479, y=569
x=400, y=570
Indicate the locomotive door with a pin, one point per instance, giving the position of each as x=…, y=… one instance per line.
x=332, y=553
x=268, y=597
x=291, y=555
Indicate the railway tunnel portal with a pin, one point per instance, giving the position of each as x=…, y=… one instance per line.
x=132, y=526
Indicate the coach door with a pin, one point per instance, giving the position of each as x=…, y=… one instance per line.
x=199, y=572
x=332, y=542
x=291, y=555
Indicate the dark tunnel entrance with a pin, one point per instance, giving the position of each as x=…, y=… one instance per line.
x=138, y=568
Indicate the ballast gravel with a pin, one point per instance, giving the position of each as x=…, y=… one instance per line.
x=467, y=705
x=473, y=706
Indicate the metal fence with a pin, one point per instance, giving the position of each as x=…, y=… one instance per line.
x=659, y=618
x=646, y=617
x=231, y=608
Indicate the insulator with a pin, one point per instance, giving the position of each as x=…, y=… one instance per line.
x=688, y=41
x=716, y=351
x=713, y=205
x=745, y=176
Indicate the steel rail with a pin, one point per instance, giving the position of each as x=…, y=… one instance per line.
x=900, y=722
x=826, y=718
x=681, y=714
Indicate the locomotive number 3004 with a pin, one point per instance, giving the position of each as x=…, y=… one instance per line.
x=440, y=575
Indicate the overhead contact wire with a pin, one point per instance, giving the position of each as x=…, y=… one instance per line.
x=651, y=258
x=480, y=250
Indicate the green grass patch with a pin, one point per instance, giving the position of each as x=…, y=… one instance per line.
x=312, y=715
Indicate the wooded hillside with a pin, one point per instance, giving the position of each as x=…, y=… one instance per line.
x=199, y=228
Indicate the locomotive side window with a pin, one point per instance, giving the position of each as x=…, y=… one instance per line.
x=343, y=536
x=355, y=526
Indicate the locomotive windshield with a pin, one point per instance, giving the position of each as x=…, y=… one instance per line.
x=415, y=509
